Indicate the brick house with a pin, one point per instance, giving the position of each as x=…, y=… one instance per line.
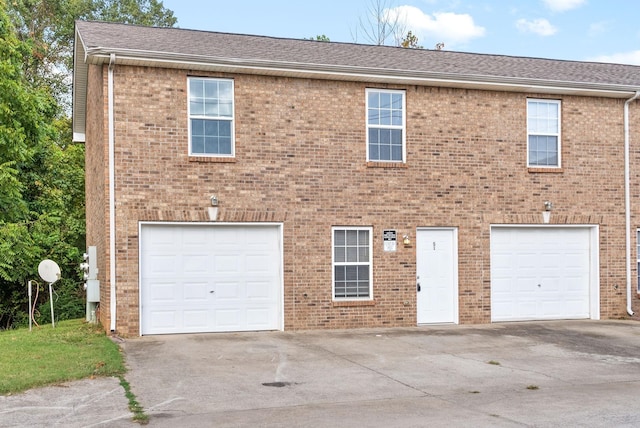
x=237, y=182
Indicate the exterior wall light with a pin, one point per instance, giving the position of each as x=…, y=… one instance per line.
x=406, y=240
x=546, y=214
x=213, y=209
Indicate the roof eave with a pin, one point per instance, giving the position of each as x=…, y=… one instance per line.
x=375, y=75
x=79, y=97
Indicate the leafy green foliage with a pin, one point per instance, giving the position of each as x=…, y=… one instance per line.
x=42, y=211
x=320, y=38
x=410, y=41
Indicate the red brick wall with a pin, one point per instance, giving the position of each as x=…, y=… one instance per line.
x=301, y=160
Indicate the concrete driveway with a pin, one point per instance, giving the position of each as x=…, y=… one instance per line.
x=577, y=373
x=567, y=373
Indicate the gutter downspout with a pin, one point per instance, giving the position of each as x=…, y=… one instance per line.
x=627, y=198
x=112, y=200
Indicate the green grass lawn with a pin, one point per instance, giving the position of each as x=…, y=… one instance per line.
x=72, y=350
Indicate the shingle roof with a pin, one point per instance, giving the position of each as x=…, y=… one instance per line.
x=312, y=53
x=191, y=49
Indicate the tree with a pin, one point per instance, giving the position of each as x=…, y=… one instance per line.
x=49, y=25
x=410, y=41
x=320, y=38
x=41, y=170
x=380, y=25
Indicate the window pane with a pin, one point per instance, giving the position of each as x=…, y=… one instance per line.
x=385, y=153
x=396, y=153
x=339, y=237
x=196, y=107
x=385, y=100
x=385, y=117
x=363, y=237
x=224, y=146
x=363, y=254
x=374, y=152
x=197, y=127
x=374, y=117
x=396, y=117
x=339, y=254
x=211, y=145
x=374, y=136
x=211, y=89
x=363, y=273
x=352, y=237
x=373, y=100
x=196, y=88
x=226, y=109
x=224, y=128
x=396, y=102
x=396, y=136
x=211, y=108
x=352, y=254
x=225, y=90
x=340, y=273
x=197, y=145
x=385, y=136
x=211, y=128
x=352, y=273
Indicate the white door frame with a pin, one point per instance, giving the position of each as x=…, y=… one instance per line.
x=594, y=257
x=454, y=250
x=209, y=224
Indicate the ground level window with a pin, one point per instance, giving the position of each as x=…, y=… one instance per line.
x=352, y=269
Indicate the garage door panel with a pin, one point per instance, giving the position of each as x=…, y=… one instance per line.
x=207, y=278
x=195, y=318
x=195, y=292
x=540, y=273
x=160, y=292
x=195, y=264
x=231, y=263
x=161, y=265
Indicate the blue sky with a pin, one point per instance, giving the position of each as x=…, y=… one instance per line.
x=585, y=30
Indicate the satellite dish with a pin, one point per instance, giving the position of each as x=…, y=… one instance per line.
x=49, y=271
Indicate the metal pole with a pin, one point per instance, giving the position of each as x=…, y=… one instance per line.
x=53, y=325
x=30, y=307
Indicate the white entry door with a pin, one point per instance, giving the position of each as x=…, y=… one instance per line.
x=209, y=278
x=437, y=276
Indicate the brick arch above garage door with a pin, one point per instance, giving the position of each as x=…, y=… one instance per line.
x=197, y=278
x=544, y=272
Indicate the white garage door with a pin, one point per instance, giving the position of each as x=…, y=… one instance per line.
x=540, y=273
x=205, y=278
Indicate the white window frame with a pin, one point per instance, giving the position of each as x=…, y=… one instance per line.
x=212, y=117
x=334, y=263
x=545, y=134
x=402, y=128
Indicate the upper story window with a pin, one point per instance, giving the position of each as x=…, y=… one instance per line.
x=543, y=133
x=385, y=125
x=352, y=268
x=211, y=128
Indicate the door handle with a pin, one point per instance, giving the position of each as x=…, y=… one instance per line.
x=418, y=287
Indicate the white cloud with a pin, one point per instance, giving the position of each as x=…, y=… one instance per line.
x=540, y=26
x=632, y=57
x=598, y=28
x=563, y=5
x=450, y=28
